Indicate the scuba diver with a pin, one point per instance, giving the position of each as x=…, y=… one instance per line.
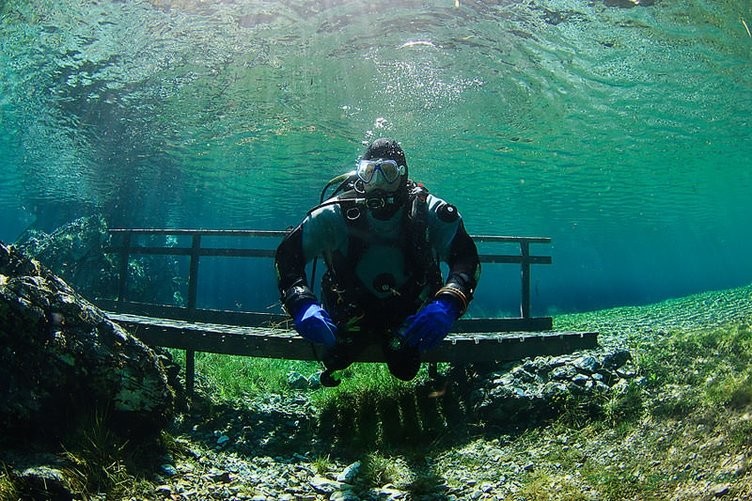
x=382, y=237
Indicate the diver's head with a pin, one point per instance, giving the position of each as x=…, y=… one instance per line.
x=383, y=167
x=382, y=174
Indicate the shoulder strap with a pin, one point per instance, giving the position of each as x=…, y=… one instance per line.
x=421, y=257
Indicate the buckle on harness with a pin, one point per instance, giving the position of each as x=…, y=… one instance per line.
x=375, y=202
x=352, y=214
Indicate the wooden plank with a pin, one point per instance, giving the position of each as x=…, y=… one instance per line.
x=203, y=252
x=282, y=233
x=510, y=239
x=216, y=338
x=513, y=259
x=228, y=317
x=286, y=344
x=508, y=347
x=255, y=319
x=208, y=233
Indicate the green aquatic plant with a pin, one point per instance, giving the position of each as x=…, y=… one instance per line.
x=363, y=382
x=102, y=461
x=8, y=489
x=730, y=390
x=322, y=464
x=372, y=409
x=425, y=483
x=378, y=470
x=623, y=408
x=93, y=462
x=705, y=367
x=740, y=432
x=541, y=485
x=233, y=377
x=96, y=456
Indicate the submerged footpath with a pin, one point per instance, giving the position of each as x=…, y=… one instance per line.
x=660, y=411
x=663, y=435
x=675, y=424
x=402, y=447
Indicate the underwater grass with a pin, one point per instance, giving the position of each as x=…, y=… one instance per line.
x=371, y=410
x=706, y=368
x=379, y=469
x=674, y=430
x=103, y=461
x=671, y=429
x=95, y=462
x=8, y=488
x=229, y=377
x=366, y=382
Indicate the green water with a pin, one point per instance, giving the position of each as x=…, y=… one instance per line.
x=622, y=133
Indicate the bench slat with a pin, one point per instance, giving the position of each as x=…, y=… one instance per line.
x=257, y=319
x=286, y=344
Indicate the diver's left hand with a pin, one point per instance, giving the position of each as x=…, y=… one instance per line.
x=431, y=324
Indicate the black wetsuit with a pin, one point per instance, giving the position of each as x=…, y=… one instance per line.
x=379, y=271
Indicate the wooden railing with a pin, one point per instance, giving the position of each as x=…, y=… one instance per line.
x=125, y=247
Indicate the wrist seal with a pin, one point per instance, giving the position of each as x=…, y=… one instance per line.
x=296, y=296
x=454, y=292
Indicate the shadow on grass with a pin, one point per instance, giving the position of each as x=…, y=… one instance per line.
x=433, y=413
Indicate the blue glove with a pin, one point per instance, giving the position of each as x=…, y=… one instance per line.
x=313, y=323
x=431, y=324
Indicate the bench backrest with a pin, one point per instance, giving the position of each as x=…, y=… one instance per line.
x=125, y=243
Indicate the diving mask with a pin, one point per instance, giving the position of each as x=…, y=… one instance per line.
x=390, y=171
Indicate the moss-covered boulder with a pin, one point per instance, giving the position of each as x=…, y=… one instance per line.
x=76, y=253
x=61, y=359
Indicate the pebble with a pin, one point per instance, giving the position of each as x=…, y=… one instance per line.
x=721, y=490
x=349, y=473
x=297, y=381
x=324, y=485
x=168, y=470
x=588, y=364
x=164, y=490
x=344, y=495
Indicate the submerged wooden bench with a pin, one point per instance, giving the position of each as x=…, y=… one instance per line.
x=256, y=334
x=268, y=342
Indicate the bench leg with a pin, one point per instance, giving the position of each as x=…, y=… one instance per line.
x=190, y=373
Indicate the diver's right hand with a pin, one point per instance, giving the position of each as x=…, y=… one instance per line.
x=314, y=324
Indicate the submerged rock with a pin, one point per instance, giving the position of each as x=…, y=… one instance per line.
x=348, y=474
x=540, y=388
x=41, y=475
x=62, y=359
x=76, y=253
